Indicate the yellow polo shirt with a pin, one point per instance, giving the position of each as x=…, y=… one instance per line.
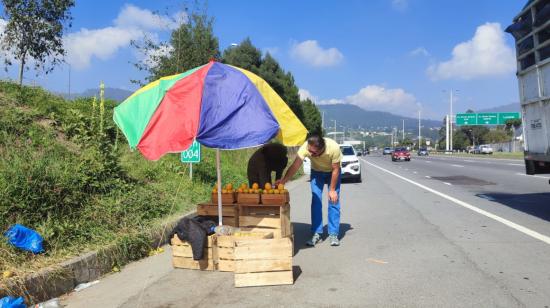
x=323, y=163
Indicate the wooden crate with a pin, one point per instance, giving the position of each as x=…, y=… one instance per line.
x=263, y=262
x=182, y=255
x=225, y=246
x=275, y=199
x=230, y=212
x=227, y=198
x=243, y=198
x=274, y=218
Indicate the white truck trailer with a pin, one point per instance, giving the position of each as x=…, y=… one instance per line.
x=531, y=30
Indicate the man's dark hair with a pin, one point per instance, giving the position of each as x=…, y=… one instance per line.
x=316, y=141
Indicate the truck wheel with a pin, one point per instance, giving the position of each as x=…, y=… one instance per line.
x=530, y=167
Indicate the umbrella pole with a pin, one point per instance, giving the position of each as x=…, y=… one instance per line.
x=219, y=172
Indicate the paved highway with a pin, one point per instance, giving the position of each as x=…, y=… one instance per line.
x=433, y=232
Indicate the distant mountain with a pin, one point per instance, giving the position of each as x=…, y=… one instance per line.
x=116, y=94
x=513, y=107
x=354, y=116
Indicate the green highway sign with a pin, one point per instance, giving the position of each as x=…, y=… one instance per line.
x=504, y=116
x=466, y=119
x=486, y=118
x=193, y=154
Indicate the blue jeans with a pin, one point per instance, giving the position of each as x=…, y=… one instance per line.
x=318, y=181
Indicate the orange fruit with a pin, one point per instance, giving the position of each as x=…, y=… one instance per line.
x=255, y=186
x=245, y=190
x=229, y=186
x=240, y=190
x=256, y=191
x=244, y=185
x=280, y=187
x=276, y=191
x=224, y=191
x=268, y=186
x=214, y=191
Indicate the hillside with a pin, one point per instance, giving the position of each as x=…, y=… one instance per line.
x=67, y=173
x=513, y=107
x=115, y=94
x=354, y=116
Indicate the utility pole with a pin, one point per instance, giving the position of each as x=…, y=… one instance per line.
x=69, y=81
x=451, y=123
x=392, y=131
x=447, y=144
x=403, y=131
x=419, y=132
x=334, y=127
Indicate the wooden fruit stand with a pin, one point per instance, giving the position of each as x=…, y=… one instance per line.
x=259, y=253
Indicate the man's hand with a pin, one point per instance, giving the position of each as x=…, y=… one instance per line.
x=333, y=196
x=281, y=181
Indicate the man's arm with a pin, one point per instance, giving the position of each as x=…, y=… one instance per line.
x=291, y=170
x=332, y=195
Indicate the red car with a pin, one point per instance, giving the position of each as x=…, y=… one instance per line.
x=401, y=154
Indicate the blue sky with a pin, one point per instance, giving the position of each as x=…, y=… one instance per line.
x=391, y=55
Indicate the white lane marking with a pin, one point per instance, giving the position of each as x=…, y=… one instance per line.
x=516, y=165
x=428, y=177
x=458, y=166
x=428, y=161
x=504, y=221
x=447, y=183
x=535, y=176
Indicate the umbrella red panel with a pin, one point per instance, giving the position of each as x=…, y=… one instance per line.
x=175, y=123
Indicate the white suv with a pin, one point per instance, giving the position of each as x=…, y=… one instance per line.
x=351, y=166
x=485, y=149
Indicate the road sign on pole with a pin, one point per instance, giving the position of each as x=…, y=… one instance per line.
x=466, y=119
x=504, y=116
x=193, y=154
x=486, y=118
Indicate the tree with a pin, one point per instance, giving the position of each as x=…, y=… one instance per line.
x=192, y=44
x=35, y=31
x=245, y=55
x=312, y=117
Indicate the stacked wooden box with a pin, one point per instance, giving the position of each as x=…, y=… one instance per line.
x=225, y=247
x=263, y=262
x=230, y=212
x=272, y=218
x=182, y=255
x=260, y=253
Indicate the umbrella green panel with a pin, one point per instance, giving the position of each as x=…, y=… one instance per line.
x=133, y=115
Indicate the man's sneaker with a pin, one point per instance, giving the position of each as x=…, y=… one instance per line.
x=334, y=240
x=316, y=238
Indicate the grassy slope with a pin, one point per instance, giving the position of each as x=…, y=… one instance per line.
x=61, y=177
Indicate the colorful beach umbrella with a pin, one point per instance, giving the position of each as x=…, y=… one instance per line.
x=219, y=105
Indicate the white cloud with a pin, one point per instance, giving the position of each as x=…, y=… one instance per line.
x=400, y=5
x=134, y=17
x=375, y=97
x=132, y=23
x=305, y=94
x=420, y=51
x=101, y=43
x=312, y=54
x=485, y=55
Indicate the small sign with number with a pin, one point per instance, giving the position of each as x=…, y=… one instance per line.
x=193, y=154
